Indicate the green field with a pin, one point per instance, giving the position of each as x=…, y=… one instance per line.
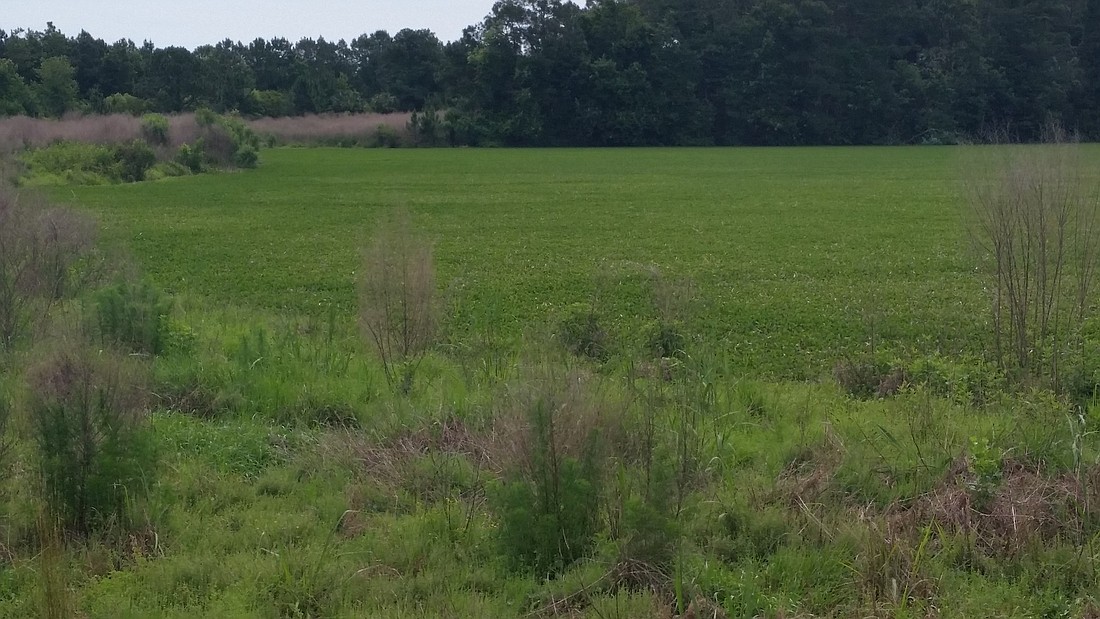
x=514, y=479
x=795, y=254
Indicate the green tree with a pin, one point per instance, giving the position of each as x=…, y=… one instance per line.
x=15, y=97
x=57, y=86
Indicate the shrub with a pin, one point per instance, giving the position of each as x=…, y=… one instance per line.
x=71, y=162
x=663, y=339
x=548, y=523
x=383, y=103
x=246, y=157
x=40, y=248
x=397, y=300
x=135, y=160
x=581, y=333
x=123, y=103
x=270, y=103
x=190, y=157
x=94, y=453
x=549, y=500
x=133, y=316
x=155, y=130
x=384, y=136
x=868, y=378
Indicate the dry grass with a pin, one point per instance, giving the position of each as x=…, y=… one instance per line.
x=19, y=132
x=1025, y=508
x=331, y=128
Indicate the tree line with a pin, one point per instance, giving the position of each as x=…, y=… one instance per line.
x=624, y=72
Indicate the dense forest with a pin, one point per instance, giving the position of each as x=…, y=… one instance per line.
x=624, y=72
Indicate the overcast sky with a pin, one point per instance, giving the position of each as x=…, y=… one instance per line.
x=190, y=23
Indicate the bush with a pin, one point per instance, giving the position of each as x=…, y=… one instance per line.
x=868, y=378
x=154, y=128
x=122, y=103
x=40, y=249
x=397, y=300
x=190, y=157
x=94, y=452
x=88, y=164
x=71, y=162
x=663, y=339
x=581, y=333
x=246, y=157
x=225, y=142
x=547, y=524
x=549, y=501
x=135, y=160
x=384, y=136
x=133, y=316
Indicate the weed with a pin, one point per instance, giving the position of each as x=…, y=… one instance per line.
x=397, y=300
x=135, y=317
x=94, y=454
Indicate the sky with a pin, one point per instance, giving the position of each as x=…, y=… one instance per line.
x=190, y=23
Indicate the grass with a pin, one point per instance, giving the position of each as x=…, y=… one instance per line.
x=731, y=480
x=797, y=255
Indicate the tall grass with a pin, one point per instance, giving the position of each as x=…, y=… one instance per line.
x=20, y=132
x=336, y=129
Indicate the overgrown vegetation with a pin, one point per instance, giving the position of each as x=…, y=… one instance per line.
x=177, y=456
x=220, y=142
x=1036, y=218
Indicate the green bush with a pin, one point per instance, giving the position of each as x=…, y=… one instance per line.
x=547, y=524
x=663, y=339
x=167, y=169
x=88, y=164
x=581, y=333
x=190, y=158
x=63, y=162
x=95, y=455
x=133, y=316
x=246, y=157
x=154, y=128
x=122, y=103
x=135, y=160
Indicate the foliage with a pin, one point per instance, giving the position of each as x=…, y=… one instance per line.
x=581, y=333
x=41, y=249
x=125, y=103
x=134, y=316
x=57, y=89
x=626, y=72
x=548, y=524
x=88, y=164
x=1036, y=220
x=94, y=455
x=548, y=503
x=154, y=128
x=397, y=300
x=135, y=159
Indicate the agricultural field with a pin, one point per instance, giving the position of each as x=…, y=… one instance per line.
x=644, y=397
x=794, y=256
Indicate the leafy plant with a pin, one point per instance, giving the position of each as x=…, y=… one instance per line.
x=134, y=316
x=582, y=334
x=94, y=453
x=154, y=128
x=397, y=300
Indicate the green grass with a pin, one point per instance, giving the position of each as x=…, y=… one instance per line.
x=794, y=253
x=292, y=482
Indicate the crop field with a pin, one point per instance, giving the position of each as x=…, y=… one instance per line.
x=795, y=256
x=643, y=399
